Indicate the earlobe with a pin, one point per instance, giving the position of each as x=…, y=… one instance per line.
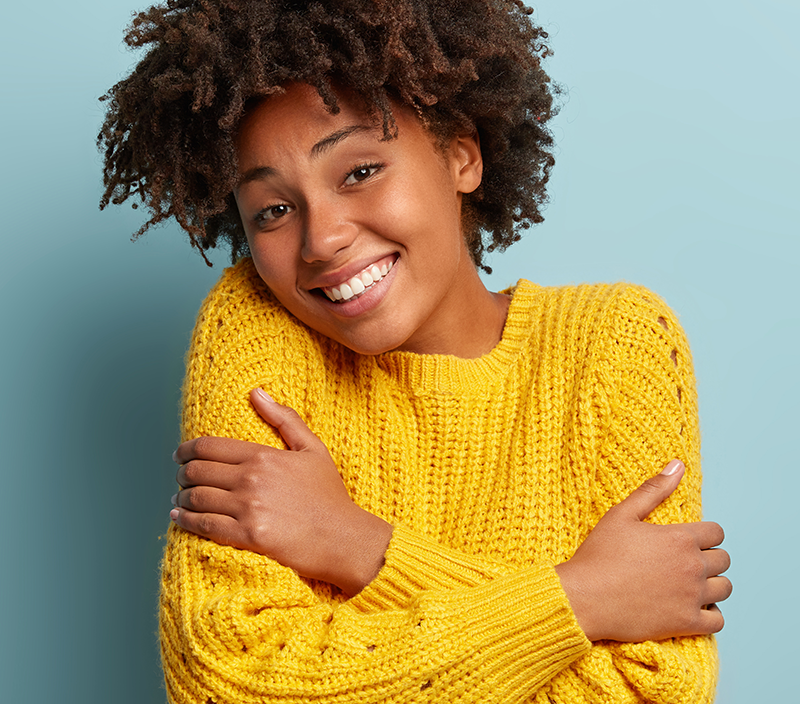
x=467, y=162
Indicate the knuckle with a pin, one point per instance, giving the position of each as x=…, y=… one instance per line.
x=688, y=621
x=189, y=472
x=257, y=533
x=694, y=624
x=188, y=499
x=696, y=569
x=654, y=485
x=288, y=415
x=202, y=445
x=682, y=542
x=250, y=481
x=205, y=524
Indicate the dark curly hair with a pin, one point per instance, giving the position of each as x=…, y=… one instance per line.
x=463, y=65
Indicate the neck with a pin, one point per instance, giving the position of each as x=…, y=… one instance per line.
x=469, y=325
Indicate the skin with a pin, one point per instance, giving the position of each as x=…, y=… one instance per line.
x=322, y=197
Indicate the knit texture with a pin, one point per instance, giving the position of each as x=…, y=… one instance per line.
x=492, y=470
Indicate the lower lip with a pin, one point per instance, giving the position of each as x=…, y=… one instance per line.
x=371, y=298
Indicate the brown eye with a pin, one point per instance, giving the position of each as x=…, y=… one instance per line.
x=274, y=212
x=362, y=173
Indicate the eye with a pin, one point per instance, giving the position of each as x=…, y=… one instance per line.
x=273, y=212
x=361, y=173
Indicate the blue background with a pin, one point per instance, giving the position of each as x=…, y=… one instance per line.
x=677, y=168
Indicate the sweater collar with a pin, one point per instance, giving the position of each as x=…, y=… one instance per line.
x=437, y=374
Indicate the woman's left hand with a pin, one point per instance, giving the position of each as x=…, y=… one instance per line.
x=288, y=504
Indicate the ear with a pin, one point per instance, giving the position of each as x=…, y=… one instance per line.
x=466, y=162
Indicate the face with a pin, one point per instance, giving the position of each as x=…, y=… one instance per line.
x=359, y=237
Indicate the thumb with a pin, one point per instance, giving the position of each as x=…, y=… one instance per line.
x=295, y=433
x=643, y=500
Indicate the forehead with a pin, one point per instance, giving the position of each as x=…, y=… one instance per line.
x=297, y=109
x=297, y=121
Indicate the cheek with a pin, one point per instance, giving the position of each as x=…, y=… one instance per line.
x=273, y=262
x=419, y=209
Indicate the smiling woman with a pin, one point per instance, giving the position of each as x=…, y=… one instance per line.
x=325, y=199
x=395, y=484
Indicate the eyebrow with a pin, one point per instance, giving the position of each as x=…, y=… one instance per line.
x=262, y=172
x=332, y=139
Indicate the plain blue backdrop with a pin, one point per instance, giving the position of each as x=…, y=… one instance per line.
x=677, y=168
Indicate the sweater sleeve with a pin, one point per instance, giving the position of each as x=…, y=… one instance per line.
x=238, y=627
x=643, y=389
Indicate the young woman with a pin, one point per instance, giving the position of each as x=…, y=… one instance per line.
x=395, y=484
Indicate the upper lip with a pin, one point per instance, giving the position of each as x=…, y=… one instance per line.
x=345, y=273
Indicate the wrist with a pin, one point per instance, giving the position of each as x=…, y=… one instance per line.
x=360, y=554
x=575, y=587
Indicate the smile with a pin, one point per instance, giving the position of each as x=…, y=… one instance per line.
x=360, y=283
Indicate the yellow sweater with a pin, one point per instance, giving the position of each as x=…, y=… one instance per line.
x=491, y=470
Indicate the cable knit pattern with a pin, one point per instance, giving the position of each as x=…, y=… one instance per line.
x=492, y=470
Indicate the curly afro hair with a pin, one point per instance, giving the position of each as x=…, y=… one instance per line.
x=462, y=65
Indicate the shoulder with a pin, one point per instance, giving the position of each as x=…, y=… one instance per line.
x=239, y=299
x=243, y=339
x=593, y=320
x=598, y=301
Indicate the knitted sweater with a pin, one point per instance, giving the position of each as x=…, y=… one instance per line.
x=492, y=470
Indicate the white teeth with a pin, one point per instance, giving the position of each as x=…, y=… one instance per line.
x=359, y=283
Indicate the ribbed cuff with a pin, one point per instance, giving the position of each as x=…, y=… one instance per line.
x=521, y=623
x=414, y=564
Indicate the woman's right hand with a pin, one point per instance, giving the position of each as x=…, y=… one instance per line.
x=291, y=505
x=634, y=581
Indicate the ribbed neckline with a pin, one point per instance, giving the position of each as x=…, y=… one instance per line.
x=428, y=374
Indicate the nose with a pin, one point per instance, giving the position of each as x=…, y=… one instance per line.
x=328, y=230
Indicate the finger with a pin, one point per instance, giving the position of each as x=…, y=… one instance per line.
x=225, y=450
x=707, y=534
x=717, y=589
x=288, y=422
x=717, y=561
x=206, y=499
x=204, y=473
x=711, y=621
x=643, y=500
x=222, y=529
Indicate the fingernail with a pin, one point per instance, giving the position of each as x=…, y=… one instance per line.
x=174, y=499
x=174, y=514
x=672, y=468
x=265, y=395
x=175, y=456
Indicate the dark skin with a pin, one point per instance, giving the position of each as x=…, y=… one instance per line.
x=318, y=181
